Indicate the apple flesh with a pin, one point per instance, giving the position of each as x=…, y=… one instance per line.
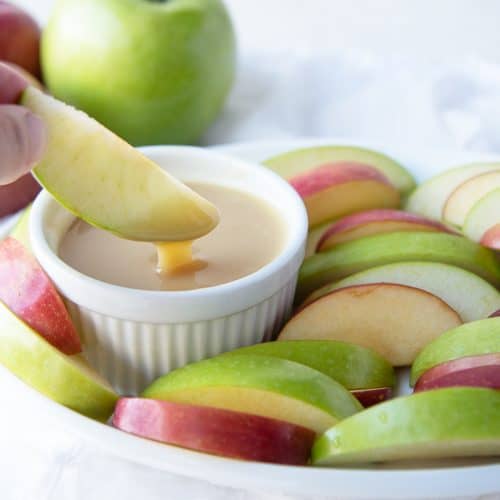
x=19, y=38
x=358, y=255
x=259, y=385
x=445, y=423
x=377, y=221
x=430, y=197
x=472, y=297
x=471, y=339
x=29, y=293
x=491, y=238
x=314, y=236
x=336, y=189
x=396, y=321
x=465, y=196
x=18, y=194
x=212, y=430
x=68, y=380
x=109, y=184
x=293, y=163
x=354, y=366
x=472, y=371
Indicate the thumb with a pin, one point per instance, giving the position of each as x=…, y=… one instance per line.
x=22, y=142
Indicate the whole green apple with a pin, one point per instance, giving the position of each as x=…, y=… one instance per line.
x=154, y=72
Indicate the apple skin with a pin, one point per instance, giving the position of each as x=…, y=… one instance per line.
x=19, y=38
x=471, y=296
x=495, y=314
x=370, y=397
x=353, y=366
x=259, y=385
x=152, y=72
x=396, y=321
x=373, y=222
x=18, y=194
x=451, y=422
x=29, y=293
x=299, y=161
x=471, y=371
x=471, y=339
x=371, y=251
x=491, y=238
x=212, y=430
x=68, y=380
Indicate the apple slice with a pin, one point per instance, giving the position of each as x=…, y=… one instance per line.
x=259, y=385
x=396, y=321
x=471, y=339
x=314, y=236
x=21, y=231
x=371, y=251
x=336, y=189
x=472, y=371
x=455, y=422
x=15, y=196
x=354, y=366
x=472, y=297
x=296, y=162
x=101, y=179
x=495, y=314
x=467, y=194
x=430, y=197
x=482, y=223
x=373, y=222
x=68, y=380
x=29, y=293
x=212, y=430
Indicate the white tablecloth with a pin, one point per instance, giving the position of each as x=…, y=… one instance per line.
x=315, y=71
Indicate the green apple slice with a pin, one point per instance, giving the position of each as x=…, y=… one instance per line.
x=355, y=367
x=371, y=251
x=298, y=161
x=471, y=296
x=67, y=380
x=484, y=216
x=470, y=339
x=430, y=197
x=259, y=385
x=103, y=180
x=457, y=422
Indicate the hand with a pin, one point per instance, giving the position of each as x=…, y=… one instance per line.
x=22, y=134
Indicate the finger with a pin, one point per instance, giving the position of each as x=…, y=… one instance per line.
x=22, y=142
x=11, y=84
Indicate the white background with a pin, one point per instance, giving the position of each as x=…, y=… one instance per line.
x=421, y=74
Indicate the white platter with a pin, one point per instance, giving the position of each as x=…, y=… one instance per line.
x=451, y=479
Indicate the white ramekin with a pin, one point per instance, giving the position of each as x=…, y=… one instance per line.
x=134, y=336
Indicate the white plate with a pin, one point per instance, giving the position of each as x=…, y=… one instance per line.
x=444, y=479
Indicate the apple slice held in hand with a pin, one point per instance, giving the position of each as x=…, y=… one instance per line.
x=29, y=293
x=482, y=223
x=300, y=161
x=377, y=221
x=68, y=380
x=106, y=182
x=445, y=423
x=470, y=371
x=212, y=430
x=471, y=339
x=472, y=297
x=372, y=251
x=396, y=321
x=259, y=385
x=430, y=197
x=337, y=189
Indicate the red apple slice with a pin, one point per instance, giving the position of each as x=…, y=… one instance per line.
x=212, y=430
x=336, y=189
x=472, y=371
x=370, y=397
x=18, y=194
x=27, y=291
x=491, y=238
x=376, y=221
x=396, y=321
x=495, y=314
